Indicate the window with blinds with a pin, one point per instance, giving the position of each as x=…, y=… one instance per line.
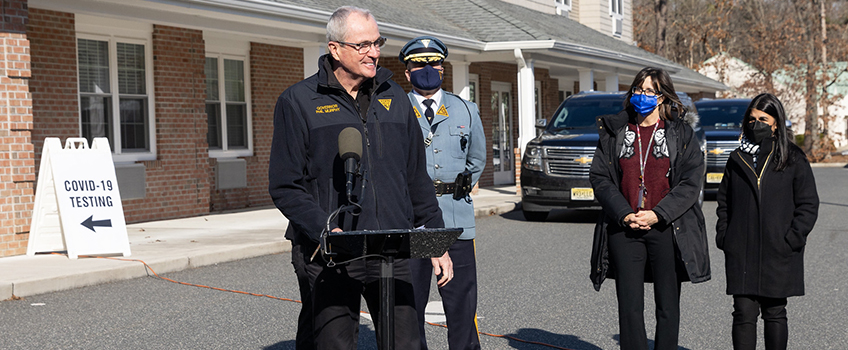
x=226, y=104
x=99, y=70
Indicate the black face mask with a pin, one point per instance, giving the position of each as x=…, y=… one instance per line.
x=757, y=131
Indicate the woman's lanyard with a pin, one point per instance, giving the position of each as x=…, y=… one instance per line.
x=643, y=191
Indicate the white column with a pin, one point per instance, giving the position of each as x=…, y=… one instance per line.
x=611, y=82
x=587, y=79
x=526, y=100
x=460, y=79
x=310, y=58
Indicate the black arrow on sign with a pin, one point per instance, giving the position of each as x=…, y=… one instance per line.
x=89, y=223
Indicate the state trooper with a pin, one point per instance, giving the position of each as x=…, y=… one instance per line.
x=456, y=155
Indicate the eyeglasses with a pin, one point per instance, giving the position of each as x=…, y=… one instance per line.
x=649, y=92
x=365, y=46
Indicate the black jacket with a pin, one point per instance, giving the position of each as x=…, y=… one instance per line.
x=763, y=223
x=306, y=175
x=679, y=207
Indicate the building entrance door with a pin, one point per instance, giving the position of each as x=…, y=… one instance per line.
x=504, y=172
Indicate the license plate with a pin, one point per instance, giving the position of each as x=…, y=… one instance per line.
x=582, y=194
x=714, y=178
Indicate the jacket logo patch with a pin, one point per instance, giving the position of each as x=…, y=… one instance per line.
x=443, y=111
x=417, y=115
x=327, y=109
x=386, y=102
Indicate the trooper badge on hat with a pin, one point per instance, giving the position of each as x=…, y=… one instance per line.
x=424, y=49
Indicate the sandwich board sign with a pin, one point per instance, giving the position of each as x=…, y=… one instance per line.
x=77, y=203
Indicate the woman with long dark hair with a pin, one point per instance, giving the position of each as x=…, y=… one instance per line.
x=647, y=175
x=767, y=205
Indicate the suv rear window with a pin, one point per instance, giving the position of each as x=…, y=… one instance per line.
x=722, y=115
x=580, y=112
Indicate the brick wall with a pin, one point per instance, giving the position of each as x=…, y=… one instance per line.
x=272, y=70
x=55, y=97
x=487, y=73
x=550, y=92
x=17, y=171
x=178, y=181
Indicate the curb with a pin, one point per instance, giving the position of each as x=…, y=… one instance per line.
x=124, y=270
x=829, y=165
x=498, y=209
x=112, y=270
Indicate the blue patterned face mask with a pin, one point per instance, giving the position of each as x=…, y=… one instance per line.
x=643, y=104
x=427, y=78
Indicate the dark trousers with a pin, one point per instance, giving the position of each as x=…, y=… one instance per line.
x=459, y=296
x=746, y=308
x=329, y=315
x=630, y=251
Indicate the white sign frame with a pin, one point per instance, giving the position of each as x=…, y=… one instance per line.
x=78, y=205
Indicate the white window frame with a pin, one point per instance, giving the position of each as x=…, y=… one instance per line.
x=224, y=151
x=474, y=78
x=563, y=7
x=616, y=12
x=227, y=46
x=128, y=36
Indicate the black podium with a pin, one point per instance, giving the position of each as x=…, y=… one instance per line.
x=389, y=244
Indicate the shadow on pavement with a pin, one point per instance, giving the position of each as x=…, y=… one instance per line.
x=617, y=338
x=541, y=336
x=367, y=340
x=584, y=216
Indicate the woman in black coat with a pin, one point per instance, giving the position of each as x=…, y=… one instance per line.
x=767, y=205
x=647, y=174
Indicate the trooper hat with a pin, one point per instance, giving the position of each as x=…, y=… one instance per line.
x=423, y=49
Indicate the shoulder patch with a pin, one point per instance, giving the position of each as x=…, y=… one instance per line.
x=417, y=115
x=386, y=102
x=442, y=111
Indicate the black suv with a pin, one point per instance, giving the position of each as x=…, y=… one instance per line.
x=555, y=166
x=722, y=123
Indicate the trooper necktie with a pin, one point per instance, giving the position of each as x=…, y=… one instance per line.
x=429, y=112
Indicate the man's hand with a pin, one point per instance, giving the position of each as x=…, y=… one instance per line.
x=443, y=266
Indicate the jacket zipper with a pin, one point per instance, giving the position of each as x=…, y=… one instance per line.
x=759, y=206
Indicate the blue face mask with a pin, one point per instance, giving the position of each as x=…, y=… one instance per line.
x=643, y=104
x=427, y=78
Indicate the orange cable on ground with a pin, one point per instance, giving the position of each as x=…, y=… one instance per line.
x=293, y=300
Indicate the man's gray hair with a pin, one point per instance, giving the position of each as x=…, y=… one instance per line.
x=337, y=25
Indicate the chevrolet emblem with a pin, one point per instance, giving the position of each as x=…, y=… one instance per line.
x=583, y=160
x=717, y=151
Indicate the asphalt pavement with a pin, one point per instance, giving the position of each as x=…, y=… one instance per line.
x=179, y=244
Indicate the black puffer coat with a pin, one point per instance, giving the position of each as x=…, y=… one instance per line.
x=679, y=207
x=763, y=223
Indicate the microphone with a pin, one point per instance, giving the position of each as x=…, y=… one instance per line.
x=350, y=150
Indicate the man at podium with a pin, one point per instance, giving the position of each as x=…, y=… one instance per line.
x=386, y=182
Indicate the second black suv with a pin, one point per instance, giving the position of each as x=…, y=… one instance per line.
x=555, y=166
x=722, y=123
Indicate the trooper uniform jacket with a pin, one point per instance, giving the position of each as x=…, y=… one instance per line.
x=306, y=175
x=679, y=207
x=448, y=155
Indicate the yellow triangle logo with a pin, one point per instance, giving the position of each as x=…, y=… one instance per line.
x=425, y=42
x=442, y=111
x=417, y=115
x=386, y=102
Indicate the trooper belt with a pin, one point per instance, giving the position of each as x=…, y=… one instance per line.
x=444, y=187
